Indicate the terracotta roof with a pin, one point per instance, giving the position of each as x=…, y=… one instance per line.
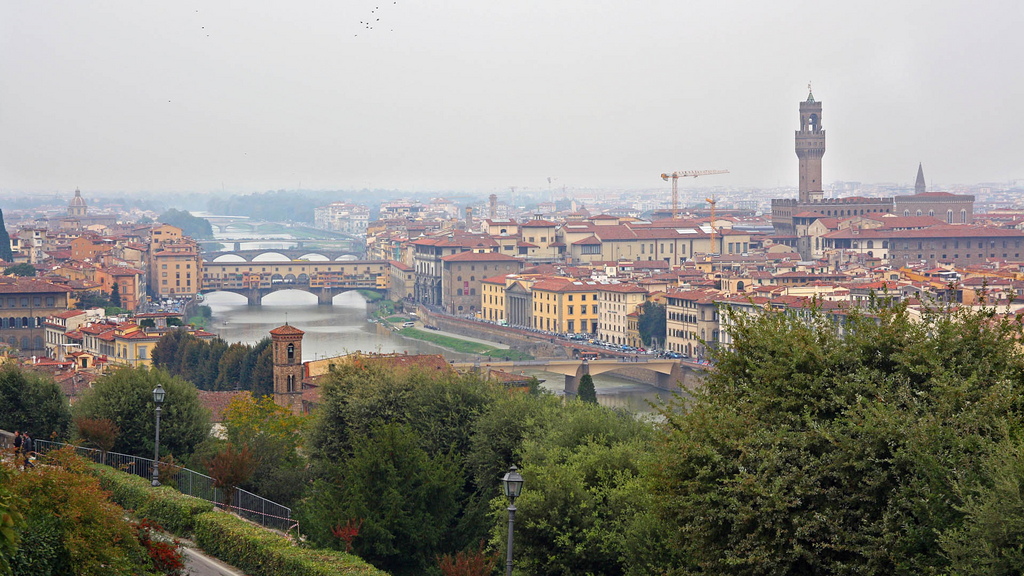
x=630, y=288
x=589, y=241
x=565, y=285
x=479, y=257
x=28, y=285
x=538, y=224
x=217, y=401
x=400, y=266
x=287, y=330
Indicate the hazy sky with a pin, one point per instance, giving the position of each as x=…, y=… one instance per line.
x=130, y=95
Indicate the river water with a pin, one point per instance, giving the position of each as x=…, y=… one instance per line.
x=343, y=328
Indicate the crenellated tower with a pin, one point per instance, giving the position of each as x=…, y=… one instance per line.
x=810, y=147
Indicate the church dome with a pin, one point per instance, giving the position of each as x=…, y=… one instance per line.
x=77, y=201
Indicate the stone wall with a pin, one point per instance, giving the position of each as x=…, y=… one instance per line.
x=531, y=345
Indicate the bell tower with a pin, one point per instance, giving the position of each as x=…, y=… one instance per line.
x=810, y=147
x=286, y=342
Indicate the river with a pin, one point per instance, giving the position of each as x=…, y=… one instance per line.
x=342, y=328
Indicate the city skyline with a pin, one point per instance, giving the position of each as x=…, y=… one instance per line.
x=467, y=97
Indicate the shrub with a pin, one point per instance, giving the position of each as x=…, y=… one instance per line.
x=100, y=432
x=259, y=552
x=231, y=468
x=163, y=505
x=472, y=563
x=78, y=526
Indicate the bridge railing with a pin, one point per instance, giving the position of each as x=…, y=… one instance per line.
x=188, y=482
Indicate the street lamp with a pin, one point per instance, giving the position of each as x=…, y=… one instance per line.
x=512, y=482
x=158, y=399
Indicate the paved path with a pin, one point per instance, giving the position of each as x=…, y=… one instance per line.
x=199, y=564
x=419, y=325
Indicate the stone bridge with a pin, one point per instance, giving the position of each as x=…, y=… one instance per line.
x=289, y=254
x=671, y=375
x=324, y=294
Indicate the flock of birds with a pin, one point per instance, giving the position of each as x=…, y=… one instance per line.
x=371, y=24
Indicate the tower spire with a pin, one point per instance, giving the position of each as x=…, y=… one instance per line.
x=919, y=187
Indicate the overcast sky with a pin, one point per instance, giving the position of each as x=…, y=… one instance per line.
x=479, y=95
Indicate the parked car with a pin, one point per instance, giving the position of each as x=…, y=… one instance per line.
x=408, y=325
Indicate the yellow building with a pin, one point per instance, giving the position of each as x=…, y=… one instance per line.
x=177, y=270
x=492, y=306
x=565, y=305
x=633, y=330
x=615, y=303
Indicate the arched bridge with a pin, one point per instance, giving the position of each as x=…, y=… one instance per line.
x=254, y=280
x=285, y=254
x=670, y=374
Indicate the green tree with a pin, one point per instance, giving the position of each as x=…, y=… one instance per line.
x=23, y=269
x=406, y=499
x=198, y=228
x=125, y=397
x=115, y=295
x=991, y=539
x=812, y=449
x=586, y=391
x=88, y=299
x=651, y=323
x=586, y=507
x=275, y=434
x=147, y=323
x=6, y=254
x=34, y=403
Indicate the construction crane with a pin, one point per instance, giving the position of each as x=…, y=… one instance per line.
x=712, y=201
x=675, y=176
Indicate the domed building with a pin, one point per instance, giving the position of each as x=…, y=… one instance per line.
x=78, y=217
x=77, y=207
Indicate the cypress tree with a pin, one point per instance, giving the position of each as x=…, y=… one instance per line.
x=5, y=241
x=586, y=391
x=115, y=295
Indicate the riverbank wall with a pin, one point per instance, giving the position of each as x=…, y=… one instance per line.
x=493, y=333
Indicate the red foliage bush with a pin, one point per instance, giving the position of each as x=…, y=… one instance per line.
x=471, y=563
x=166, y=556
x=348, y=532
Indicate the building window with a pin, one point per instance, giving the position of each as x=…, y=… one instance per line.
x=291, y=353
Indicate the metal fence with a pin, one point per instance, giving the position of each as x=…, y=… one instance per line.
x=188, y=482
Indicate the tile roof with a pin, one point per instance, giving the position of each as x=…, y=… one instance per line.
x=479, y=257
x=287, y=330
x=28, y=285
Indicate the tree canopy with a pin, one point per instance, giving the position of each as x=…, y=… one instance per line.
x=857, y=447
x=195, y=227
x=125, y=397
x=6, y=254
x=652, y=323
x=23, y=269
x=34, y=403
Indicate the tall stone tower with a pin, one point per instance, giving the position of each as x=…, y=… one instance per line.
x=919, y=187
x=286, y=342
x=810, y=147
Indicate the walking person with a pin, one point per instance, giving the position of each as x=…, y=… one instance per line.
x=27, y=446
x=17, y=445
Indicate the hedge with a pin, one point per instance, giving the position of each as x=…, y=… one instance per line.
x=250, y=548
x=260, y=552
x=171, y=509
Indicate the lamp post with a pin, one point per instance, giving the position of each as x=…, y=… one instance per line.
x=158, y=399
x=512, y=482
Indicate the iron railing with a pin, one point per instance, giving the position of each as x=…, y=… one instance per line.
x=189, y=482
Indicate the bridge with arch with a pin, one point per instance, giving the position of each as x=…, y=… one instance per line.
x=671, y=375
x=325, y=279
x=283, y=255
